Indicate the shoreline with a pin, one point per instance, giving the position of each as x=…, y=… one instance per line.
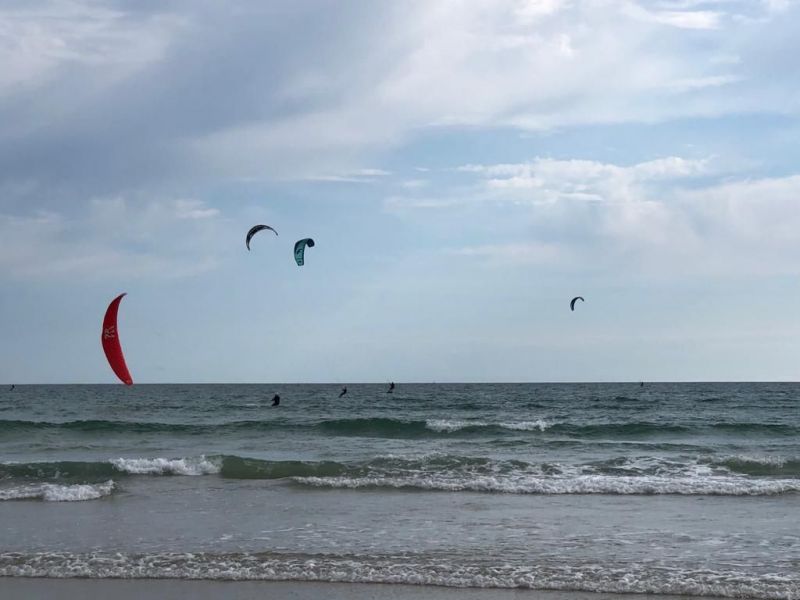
x=36, y=588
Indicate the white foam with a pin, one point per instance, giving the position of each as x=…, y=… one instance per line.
x=640, y=577
x=539, y=424
x=167, y=466
x=51, y=492
x=767, y=460
x=21, y=492
x=448, y=426
x=582, y=484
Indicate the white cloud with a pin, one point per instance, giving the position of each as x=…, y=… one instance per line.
x=530, y=65
x=355, y=176
x=531, y=11
x=666, y=217
x=550, y=180
x=684, y=85
x=412, y=184
x=403, y=203
x=158, y=85
x=683, y=19
x=194, y=209
x=777, y=5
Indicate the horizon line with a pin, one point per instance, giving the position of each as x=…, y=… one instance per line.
x=335, y=383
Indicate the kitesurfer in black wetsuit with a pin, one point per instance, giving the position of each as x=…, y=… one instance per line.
x=391, y=388
x=276, y=400
x=343, y=392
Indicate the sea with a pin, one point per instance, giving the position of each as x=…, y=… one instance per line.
x=661, y=488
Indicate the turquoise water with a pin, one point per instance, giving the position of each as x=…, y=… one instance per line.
x=666, y=488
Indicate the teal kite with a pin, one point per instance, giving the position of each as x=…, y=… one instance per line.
x=300, y=250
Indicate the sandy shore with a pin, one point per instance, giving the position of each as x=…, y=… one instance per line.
x=20, y=588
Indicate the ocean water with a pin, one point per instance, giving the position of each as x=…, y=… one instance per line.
x=666, y=489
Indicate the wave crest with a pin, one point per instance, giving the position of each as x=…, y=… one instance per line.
x=166, y=466
x=582, y=484
x=50, y=492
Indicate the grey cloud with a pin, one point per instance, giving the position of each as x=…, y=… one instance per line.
x=180, y=93
x=222, y=66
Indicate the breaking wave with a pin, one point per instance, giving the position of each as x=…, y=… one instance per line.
x=582, y=484
x=734, y=476
x=642, y=577
x=50, y=492
x=166, y=466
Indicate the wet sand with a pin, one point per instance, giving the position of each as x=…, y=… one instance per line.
x=20, y=588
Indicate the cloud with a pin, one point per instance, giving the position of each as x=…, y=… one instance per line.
x=412, y=184
x=105, y=98
x=405, y=203
x=40, y=41
x=683, y=19
x=668, y=217
x=115, y=239
x=550, y=180
x=356, y=176
x=194, y=209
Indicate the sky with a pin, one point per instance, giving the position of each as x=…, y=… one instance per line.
x=465, y=167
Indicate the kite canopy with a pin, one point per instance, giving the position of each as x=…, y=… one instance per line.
x=109, y=338
x=300, y=250
x=572, y=302
x=254, y=230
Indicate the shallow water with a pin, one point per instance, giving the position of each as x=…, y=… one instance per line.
x=667, y=488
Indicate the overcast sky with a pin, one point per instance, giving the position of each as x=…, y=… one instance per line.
x=465, y=167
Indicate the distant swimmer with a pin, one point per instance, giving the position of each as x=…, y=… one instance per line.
x=343, y=392
x=276, y=400
x=391, y=388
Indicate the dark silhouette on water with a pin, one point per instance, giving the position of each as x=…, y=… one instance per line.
x=343, y=392
x=276, y=400
x=12, y=387
x=391, y=388
x=641, y=384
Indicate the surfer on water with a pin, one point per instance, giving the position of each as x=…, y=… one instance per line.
x=343, y=392
x=391, y=388
x=276, y=400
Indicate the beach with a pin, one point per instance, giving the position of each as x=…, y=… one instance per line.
x=40, y=589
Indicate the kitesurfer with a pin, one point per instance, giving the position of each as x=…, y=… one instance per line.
x=276, y=400
x=343, y=392
x=391, y=388
x=12, y=387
